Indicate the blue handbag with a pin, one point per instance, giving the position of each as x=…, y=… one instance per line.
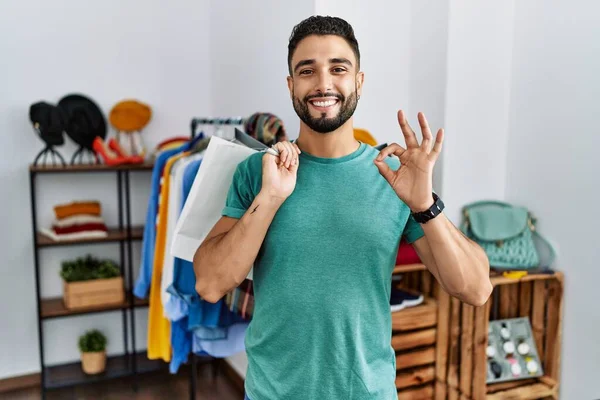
x=506, y=233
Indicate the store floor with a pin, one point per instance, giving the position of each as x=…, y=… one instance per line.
x=151, y=386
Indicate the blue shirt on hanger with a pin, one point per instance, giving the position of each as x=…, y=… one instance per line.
x=181, y=337
x=142, y=285
x=178, y=306
x=200, y=320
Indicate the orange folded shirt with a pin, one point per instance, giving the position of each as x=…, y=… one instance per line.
x=77, y=208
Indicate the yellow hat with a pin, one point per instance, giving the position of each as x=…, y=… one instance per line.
x=362, y=135
x=130, y=116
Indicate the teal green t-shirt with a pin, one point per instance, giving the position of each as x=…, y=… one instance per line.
x=321, y=326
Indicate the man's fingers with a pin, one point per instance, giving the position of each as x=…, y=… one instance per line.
x=294, y=166
x=409, y=136
x=426, y=144
x=283, y=153
x=292, y=154
x=295, y=151
x=385, y=170
x=437, y=147
x=393, y=148
x=288, y=154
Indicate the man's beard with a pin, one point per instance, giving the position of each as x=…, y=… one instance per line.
x=324, y=124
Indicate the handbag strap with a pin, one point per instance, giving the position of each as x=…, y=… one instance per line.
x=550, y=247
x=486, y=203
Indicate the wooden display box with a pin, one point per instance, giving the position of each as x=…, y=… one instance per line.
x=93, y=293
x=414, y=337
x=461, y=363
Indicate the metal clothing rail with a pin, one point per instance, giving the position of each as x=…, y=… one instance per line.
x=218, y=121
x=194, y=125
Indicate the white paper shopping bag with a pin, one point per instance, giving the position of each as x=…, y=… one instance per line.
x=207, y=196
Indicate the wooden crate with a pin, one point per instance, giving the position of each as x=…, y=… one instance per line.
x=414, y=337
x=93, y=293
x=461, y=359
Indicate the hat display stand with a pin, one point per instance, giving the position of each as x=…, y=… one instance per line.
x=90, y=156
x=49, y=149
x=132, y=142
x=48, y=123
x=129, y=117
x=85, y=122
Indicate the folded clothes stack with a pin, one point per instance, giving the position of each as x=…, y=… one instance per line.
x=77, y=220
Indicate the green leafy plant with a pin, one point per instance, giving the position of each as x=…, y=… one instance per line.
x=92, y=341
x=88, y=268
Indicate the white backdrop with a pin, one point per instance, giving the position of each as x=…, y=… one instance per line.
x=515, y=86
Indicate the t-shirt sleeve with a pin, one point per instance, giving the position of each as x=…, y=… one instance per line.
x=412, y=230
x=239, y=197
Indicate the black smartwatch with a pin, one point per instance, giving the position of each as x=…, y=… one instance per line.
x=432, y=212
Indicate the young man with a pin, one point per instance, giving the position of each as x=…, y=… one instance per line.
x=321, y=223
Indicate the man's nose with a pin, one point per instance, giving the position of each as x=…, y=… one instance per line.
x=325, y=83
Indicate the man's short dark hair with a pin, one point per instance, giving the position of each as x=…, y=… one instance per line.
x=322, y=25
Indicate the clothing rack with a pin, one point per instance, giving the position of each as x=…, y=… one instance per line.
x=195, y=123
x=231, y=121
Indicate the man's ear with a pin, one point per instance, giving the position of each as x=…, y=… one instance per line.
x=290, y=83
x=360, y=78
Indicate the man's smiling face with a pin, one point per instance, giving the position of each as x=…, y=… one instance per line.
x=325, y=82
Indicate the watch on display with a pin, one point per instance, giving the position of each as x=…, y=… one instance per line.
x=432, y=212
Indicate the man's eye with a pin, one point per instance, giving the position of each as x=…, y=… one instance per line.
x=305, y=72
x=339, y=70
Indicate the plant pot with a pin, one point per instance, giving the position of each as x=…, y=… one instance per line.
x=97, y=292
x=93, y=362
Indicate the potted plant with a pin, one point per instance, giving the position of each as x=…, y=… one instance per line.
x=89, y=281
x=92, y=346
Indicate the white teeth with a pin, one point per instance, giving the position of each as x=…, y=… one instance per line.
x=324, y=103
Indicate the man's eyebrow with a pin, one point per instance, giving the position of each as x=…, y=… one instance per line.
x=337, y=60
x=340, y=61
x=302, y=63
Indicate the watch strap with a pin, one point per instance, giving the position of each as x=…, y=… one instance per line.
x=432, y=212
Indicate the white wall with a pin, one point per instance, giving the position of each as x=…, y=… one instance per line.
x=148, y=50
x=478, y=74
x=553, y=163
x=428, y=40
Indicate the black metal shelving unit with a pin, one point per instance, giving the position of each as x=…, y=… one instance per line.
x=130, y=363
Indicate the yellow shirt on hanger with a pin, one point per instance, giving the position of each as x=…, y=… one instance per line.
x=159, y=327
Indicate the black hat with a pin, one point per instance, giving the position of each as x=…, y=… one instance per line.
x=85, y=120
x=49, y=121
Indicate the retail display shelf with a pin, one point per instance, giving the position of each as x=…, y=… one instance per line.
x=54, y=307
x=39, y=169
x=114, y=235
x=398, y=269
x=71, y=374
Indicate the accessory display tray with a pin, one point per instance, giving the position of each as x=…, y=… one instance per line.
x=511, y=352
